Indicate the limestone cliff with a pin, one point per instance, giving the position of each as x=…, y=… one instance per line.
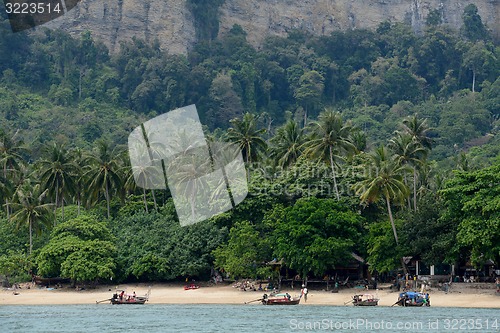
x=320, y=17
x=113, y=21
x=172, y=23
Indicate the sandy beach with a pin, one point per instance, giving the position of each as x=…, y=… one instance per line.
x=459, y=296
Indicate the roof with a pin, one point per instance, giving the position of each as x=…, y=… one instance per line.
x=358, y=258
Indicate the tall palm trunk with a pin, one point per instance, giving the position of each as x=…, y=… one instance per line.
x=415, y=187
x=107, y=199
x=144, y=198
x=62, y=207
x=57, y=201
x=7, y=207
x=408, y=201
x=391, y=219
x=333, y=174
x=473, y=80
x=154, y=199
x=405, y=270
x=31, y=236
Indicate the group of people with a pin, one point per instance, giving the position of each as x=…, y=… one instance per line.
x=406, y=283
x=122, y=296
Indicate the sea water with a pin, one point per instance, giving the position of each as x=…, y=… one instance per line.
x=243, y=318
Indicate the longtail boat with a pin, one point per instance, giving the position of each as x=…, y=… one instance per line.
x=412, y=298
x=120, y=297
x=280, y=299
x=364, y=300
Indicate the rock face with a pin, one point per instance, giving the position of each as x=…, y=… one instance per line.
x=113, y=21
x=172, y=24
x=260, y=18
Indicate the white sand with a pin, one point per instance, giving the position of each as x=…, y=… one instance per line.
x=224, y=294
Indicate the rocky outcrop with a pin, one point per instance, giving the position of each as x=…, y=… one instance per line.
x=113, y=21
x=172, y=24
x=260, y=18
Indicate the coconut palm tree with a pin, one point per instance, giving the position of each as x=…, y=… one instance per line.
x=103, y=175
x=418, y=129
x=79, y=159
x=142, y=175
x=287, y=144
x=247, y=136
x=58, y=174
x=408, y=153
x=11, y=159
x=30, y=209
x=188, y=171
x=330, y=140
x=384, y=182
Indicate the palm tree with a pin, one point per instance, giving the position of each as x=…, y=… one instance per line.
x=385, y=182
x=419, y=131
x=11, y=159
x=408, y=152
x=79, y=159
x=103, y=174
x=58, y=174
x=245, y=134
x=287, y=144
x=142, y=175
x=30, y=209
x=330, y=139
x=187, y=172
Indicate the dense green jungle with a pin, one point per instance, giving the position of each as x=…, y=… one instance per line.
x=380, y=143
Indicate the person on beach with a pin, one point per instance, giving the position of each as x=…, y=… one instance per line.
x=303, y=292
x=497, y=281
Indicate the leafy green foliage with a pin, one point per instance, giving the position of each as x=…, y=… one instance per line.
x=383, y=252
x=155, y=247
x=245, y=253
x=82, y=249
x=314, y=234
x=15, y=265
x=473, y=203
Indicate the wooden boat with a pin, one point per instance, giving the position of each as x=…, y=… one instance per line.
x=412, y=298
x=49, y=281
x=129, y=300
x=364, y=300
x=120, y=297
x=280, y=299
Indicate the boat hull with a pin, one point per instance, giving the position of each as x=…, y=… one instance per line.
x=130, y=301
x=364, y=300
x=281, y=302
x=366, y=303
x=280, y=299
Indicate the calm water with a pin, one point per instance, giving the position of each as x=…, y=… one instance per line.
x=243, y=318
